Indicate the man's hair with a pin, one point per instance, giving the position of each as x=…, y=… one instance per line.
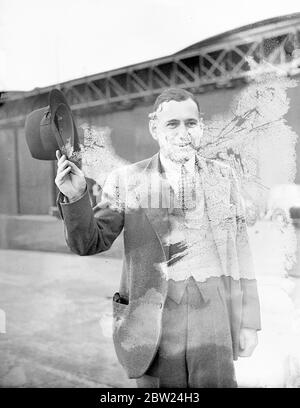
x=174, y=94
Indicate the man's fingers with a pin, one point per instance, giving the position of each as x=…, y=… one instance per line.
x=75, y=169
x=62, y=166
x=63, y=162
x=62, y=174
x=73, y=166
x=61, y=159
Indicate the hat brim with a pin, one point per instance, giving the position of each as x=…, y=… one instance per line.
x=62, y=127
x=63, y=124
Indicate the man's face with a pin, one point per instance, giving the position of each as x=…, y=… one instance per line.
x=178, y=129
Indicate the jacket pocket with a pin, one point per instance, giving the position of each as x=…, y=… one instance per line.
x=119, y=308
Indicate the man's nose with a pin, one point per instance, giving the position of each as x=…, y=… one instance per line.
x=182, y=131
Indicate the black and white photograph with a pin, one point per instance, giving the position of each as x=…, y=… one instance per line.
x=149, y=196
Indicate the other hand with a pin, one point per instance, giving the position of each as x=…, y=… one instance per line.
x=248, y=342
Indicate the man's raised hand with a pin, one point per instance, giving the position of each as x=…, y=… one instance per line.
x=69, y=179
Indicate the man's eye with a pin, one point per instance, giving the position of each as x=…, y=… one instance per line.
x=171, y=125
x=192, y=123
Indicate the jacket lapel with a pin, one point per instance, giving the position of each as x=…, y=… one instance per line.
x=153, y=192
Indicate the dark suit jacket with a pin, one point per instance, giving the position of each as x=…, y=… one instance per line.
x=125, y=205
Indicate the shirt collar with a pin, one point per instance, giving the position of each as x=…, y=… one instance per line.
x=170, y=166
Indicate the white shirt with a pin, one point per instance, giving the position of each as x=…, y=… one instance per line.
x=173, y=170
x=200, y=258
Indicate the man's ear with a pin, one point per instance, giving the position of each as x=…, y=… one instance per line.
x=153, y=129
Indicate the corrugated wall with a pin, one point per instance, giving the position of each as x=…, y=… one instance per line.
x=26, y=185
x=36, y=180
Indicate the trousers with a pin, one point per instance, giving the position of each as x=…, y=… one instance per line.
x=195, y=349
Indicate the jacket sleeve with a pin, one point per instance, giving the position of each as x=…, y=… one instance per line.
x=251, y=306
x=88, y=230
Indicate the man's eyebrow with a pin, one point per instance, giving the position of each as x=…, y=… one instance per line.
x=178, y=120
x=172, y=120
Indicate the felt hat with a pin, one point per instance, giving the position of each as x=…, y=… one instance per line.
x=52, y=128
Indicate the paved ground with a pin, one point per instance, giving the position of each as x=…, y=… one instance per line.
x=53, y=304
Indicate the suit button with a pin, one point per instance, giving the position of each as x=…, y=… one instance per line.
x=160, y=305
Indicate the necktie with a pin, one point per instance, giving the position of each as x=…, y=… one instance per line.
x=186, y=190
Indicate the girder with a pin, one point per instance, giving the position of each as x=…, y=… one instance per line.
x=219, y=64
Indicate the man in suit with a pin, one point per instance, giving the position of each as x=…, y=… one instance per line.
x=187, y=305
